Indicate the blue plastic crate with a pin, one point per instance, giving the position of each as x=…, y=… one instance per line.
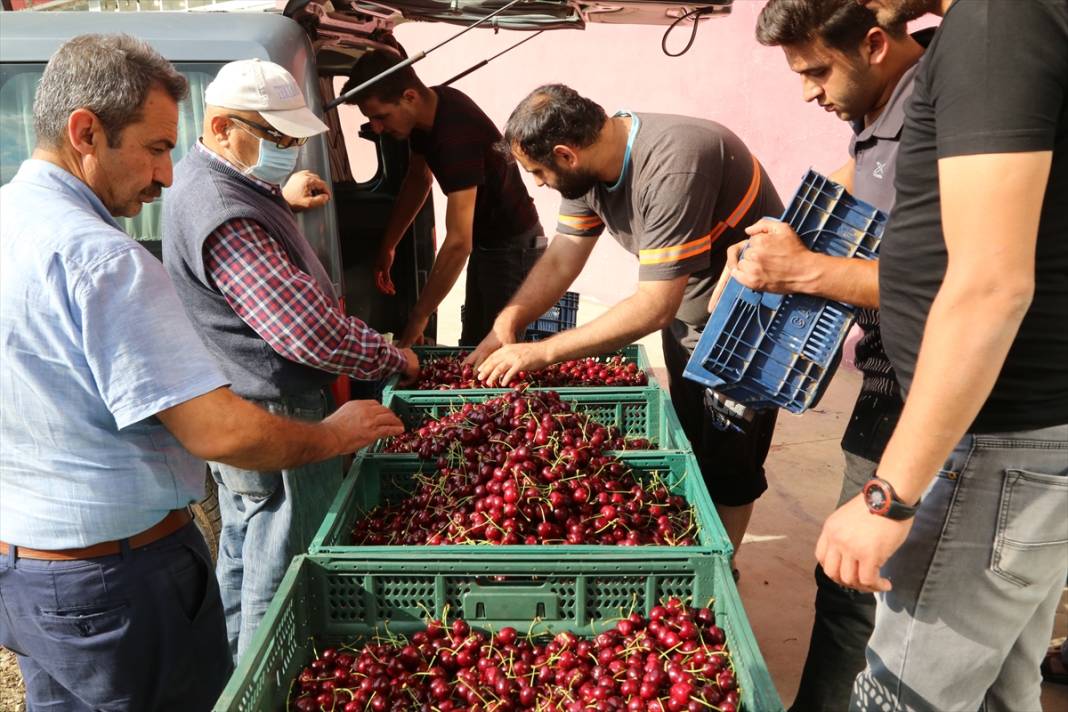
x=766, y=349
x=564, y=315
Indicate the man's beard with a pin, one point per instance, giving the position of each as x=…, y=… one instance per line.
x=575, y=184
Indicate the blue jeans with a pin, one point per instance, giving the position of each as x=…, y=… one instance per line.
x=141, y=630
x=267, y=519
x=976, y=583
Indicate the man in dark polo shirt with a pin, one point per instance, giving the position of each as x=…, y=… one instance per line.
x=674, y=191
x=863, y=73
x=973, y=283
x=489, y=216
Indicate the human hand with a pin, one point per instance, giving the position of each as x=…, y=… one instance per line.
x=499, y=336
x=732, y=263
x=305, y=190
x=411, y=369
x=357, y=424
x=855, y=543
x=413, y=331
x=775, y=260
x=503, y=364
x=383, y=264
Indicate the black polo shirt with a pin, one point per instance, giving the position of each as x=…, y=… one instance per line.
x=461, y=151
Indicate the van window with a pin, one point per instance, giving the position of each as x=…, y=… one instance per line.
x=17, y=85
x=362, y=154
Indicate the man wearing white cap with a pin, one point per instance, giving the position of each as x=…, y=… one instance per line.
x=266, y=308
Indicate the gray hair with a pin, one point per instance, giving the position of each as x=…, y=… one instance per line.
x=110, y=75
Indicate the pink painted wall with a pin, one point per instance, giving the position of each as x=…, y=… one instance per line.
x=726, y=76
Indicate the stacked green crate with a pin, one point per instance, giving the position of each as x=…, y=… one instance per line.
x=344, y=591
x=330, y=601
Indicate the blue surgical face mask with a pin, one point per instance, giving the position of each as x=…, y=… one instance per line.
x=275, y=164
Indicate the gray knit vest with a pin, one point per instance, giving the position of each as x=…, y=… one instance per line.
x=207, y=193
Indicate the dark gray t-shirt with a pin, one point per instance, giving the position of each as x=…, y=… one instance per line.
x=689, y=189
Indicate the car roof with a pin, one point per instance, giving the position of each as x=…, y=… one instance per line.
x=179, y=36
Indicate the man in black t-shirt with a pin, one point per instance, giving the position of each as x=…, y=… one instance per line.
x=489, y=217
x=973, y=278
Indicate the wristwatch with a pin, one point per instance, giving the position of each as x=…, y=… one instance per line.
x=881, y=499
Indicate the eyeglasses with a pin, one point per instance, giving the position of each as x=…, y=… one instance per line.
x=279, y=138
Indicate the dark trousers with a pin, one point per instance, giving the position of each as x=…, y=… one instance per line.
x=493, y=277
x=141, y=630
x=732, y=463
x=845, y=618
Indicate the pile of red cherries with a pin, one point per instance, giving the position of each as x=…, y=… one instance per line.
x=524, y=469
x=449, y=372
x=674, y=660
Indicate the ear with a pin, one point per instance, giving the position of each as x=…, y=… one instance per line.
x=85, y=132
x=220, y=128
x=411, y=96
x=566, y=155
x=877, y=45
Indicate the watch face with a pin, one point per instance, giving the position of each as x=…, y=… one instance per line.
x=877, y=497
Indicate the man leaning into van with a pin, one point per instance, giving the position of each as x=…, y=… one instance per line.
x=266, y=308
x=111, y=403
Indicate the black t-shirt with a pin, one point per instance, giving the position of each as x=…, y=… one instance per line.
x=460, y=149
x=994, y=80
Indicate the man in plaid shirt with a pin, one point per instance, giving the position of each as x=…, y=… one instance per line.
x=267, y=309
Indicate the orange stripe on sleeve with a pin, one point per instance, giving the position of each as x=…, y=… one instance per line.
x=580, y=222
x=675, y=253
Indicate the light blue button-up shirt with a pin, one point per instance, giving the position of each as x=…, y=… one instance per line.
x=94, y=343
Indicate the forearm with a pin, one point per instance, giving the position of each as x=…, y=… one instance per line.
x=413, y=193
x=448, y=265
x=322, y=336
x=968, y=334
x=354, y=350
x=845, y=279
x=541, y=290
x=242, y=434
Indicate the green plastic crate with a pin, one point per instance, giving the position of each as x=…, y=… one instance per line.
x=339, y=600
x=374, y=479
x=641, y=412
x=634, y=353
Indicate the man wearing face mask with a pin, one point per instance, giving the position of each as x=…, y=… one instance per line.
x=266, y=308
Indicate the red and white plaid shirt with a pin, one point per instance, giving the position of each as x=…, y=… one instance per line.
x=286, y=306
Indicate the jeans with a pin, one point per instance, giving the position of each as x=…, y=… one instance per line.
x=493, y=277
x=842, y=625
x=267, y=519
x=976, y=583
x=140, y=630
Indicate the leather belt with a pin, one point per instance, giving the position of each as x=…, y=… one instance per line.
x=174, y=521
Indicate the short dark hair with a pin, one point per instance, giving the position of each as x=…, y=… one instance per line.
x=840, y=24
x=389, y=89
x=110, y=75
x=553, y=115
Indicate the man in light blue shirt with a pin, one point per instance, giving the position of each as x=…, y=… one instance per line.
x=110, y=405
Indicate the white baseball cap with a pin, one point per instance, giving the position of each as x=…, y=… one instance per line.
x=267, y=88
